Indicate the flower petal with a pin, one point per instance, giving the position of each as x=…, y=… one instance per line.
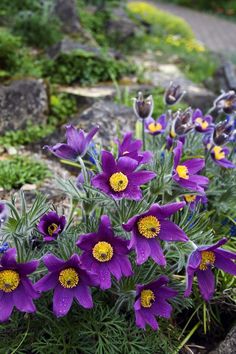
x=52, y=262
x=108, y=163
x=225, y=264
x=8, y=258
x=22, y=301
x=6, y=306
x=143, y=250
x=194, y=165
x=156, y=252
x=141, y=177
x=166, y=210
x=48, y=282
x=126, y=165
x=63, y=151
x=171, y=232
x=83, y=296
x=206, y=283
x=162, y=308
x=62, y=300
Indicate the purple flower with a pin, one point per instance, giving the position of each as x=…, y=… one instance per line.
x=222, y=132
x=119, y=178
x=77, y=144
x=185, y=173
x=151, y=301
x=181, y=123
x=151, y=227
x=202, y=260
x=15, y=287
x=155, y=127
x=173, y=94
x=143, y=107
x=192, y=200
x=219, y=154
x=51, y=225
x=68, y=280
x=105, y=254
x=3, y=213
x=130, y=147
x=226, y=102
x=202, y=124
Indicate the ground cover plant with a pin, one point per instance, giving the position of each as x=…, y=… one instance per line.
x=147, y=245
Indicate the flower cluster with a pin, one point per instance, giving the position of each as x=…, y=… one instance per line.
x=132, y=219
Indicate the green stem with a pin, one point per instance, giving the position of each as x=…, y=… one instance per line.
x=188, y=337
x=143, y=134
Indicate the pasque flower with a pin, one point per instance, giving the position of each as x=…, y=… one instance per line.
x=203, y=124
x=143, y=107
x=68, y=280
x=222, y=132
x=151, y=227
x=105, y=254
x=181, y=123
x=226, y=102
x=51, y=225
x=173, y=94
x=119, y=178
x=130, y=147
x=218, y=154
x=16, y=289
x=185, y=173
x=155, y=127
x=202, y=260
x=151, y=301
x=76, y=146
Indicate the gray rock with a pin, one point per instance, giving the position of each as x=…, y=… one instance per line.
x=67, y=12
x=21, y=101
x=228, y=346
x=67, y=46
x=120, y=26
x=111, y=118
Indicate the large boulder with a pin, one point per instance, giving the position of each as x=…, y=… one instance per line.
x=228, y=346
x=67, y=12
x=21, y=101
x=120, y=26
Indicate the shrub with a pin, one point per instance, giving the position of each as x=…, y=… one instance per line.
x=9, y=48
x=19, y=170
x=160, y=21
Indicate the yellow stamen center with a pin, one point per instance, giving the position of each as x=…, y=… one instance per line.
x=69, y=278
x=118, y=182
x=208, y=258
x=103, y=251
x=190, y=198
x=172, y=132
x=228, y=103
x=52, y=228
x=149, y=226
x=204, y=124
x=219, y=154
x=147, y=298
x=154, y=127
x=182, y=171
x=9, y=280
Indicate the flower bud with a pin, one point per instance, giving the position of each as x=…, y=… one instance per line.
x=222, y=132
x=226, y=102
x=173, y=94
x=143, y=107
x=182, y=123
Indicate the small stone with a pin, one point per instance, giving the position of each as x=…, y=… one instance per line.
x=12, y=150
x=29, y=187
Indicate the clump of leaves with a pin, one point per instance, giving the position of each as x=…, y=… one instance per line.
x=19, y=170
x=62, y=106
x=86, y=68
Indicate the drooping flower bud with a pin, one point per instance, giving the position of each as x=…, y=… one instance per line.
x=173, y=94
x=222, y=132
x=143, y=107
x=226, y=102
x=182, y=123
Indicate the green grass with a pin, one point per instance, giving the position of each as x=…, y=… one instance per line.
x=19, y=170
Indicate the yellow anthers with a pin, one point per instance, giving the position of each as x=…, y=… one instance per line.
x=182, y=171
x=147, y=298
x=69, y=278
x=9, y=280
x=154, y=127
x=149, y=226
x=218, y=152
x=103, y=251
x=172, y=132
x=208, y=258
x=203, y=123
x=118, y=182
x=52, y=228
x=190, y=198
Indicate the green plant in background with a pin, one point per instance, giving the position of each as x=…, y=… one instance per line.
x=62, y=106
x=19, y=170
x=86, y=68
